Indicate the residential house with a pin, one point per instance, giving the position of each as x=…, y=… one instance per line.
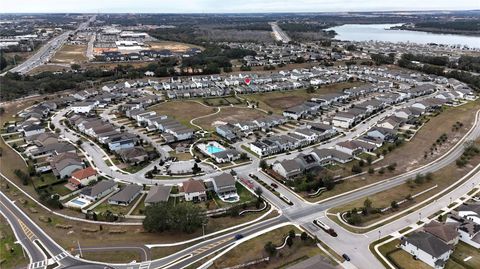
x=158, y=194
x=427, y=248
x=83, y=177
x=133, y=155
x=126, y=195
x=194, y=190
x=288, y=169
x=224, y=185
x=63, y=165
x=99, y=190
x=225, y=156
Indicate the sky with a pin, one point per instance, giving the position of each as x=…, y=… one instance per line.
x=228, y=6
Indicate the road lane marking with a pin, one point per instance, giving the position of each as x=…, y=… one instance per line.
x=210, y=246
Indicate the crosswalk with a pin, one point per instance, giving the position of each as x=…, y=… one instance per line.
x=55, y=259
x=210, y=246
x=26, y=230
x=144, y=265
x=60, y=256
x=39, y=264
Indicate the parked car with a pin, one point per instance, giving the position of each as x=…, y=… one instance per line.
x=238, y=236
x=345, y=256
x=274, y=185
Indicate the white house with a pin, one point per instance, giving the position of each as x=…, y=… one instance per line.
x=427, y=248
x=82, y=107
x=194, y=190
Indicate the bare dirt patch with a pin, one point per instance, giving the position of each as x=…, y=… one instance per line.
x=170, y=45
x=70, y=54
x=230, y=114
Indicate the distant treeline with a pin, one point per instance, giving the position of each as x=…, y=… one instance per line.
x=463, y=25
x=466, y=77
x=303, y=27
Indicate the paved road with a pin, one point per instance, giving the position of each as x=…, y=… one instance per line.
x=45, y=53
x=279, y=34
x=29, y=234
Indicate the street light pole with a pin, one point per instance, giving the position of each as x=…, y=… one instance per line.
x=79, y=248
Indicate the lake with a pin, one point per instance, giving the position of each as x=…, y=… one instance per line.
x=379, y=32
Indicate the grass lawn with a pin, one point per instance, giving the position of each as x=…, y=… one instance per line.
x=13, y=258
x=60, y=189
x=254, y=249
x=182, y=156
x=461, y=252
x=112, y=256
x=404, y=260
x=116, y=209
x=245, y=196
x=135, y=168
x=45, y=179
x=139, y=210
x=229, y=114
x=221, y=101
x=278, y=101
x=183, y=111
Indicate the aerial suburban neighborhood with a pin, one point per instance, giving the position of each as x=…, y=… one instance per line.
x=202, y=134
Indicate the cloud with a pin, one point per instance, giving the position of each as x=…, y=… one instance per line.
x=230, y=6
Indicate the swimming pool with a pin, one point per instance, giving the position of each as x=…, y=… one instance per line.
x=78, y=202
x=214, y=149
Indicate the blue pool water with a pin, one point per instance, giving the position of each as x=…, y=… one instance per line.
x=213, y=149
x=78, y=202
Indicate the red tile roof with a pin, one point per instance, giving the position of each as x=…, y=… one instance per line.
x=84, y=173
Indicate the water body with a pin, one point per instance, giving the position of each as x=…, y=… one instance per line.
x=380, y=32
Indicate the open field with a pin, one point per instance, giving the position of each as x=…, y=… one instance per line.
x=410, y=155
x=404, y=260
x=444, y=178
x=183, y=111
x=278, y=101
x=70, y=54
x=171, y=45
x=253, y=249
x=229, y=114
x=12, y=258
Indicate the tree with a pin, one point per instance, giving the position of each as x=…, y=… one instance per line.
x=79, y=142
x=196, y=169
x=356, y=169
x=394, y=204
x=367, y=204
x=291, y=234
x=263, y=164
x=75, y=66
x=304, y=236
x=371, y=170
x=270, y=248
x=369, y=159
x=289, y=241
x=185, y=217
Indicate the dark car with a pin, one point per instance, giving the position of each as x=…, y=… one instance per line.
x=345, y=256
x=274, y=185
x=238, y=236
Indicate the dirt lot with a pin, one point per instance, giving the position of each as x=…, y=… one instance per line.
x=70, y=54
x=229, y=114
x=279, y=101
x=183, y=111
x=170, y=45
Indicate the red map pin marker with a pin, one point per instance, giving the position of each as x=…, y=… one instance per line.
x=247, y=81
